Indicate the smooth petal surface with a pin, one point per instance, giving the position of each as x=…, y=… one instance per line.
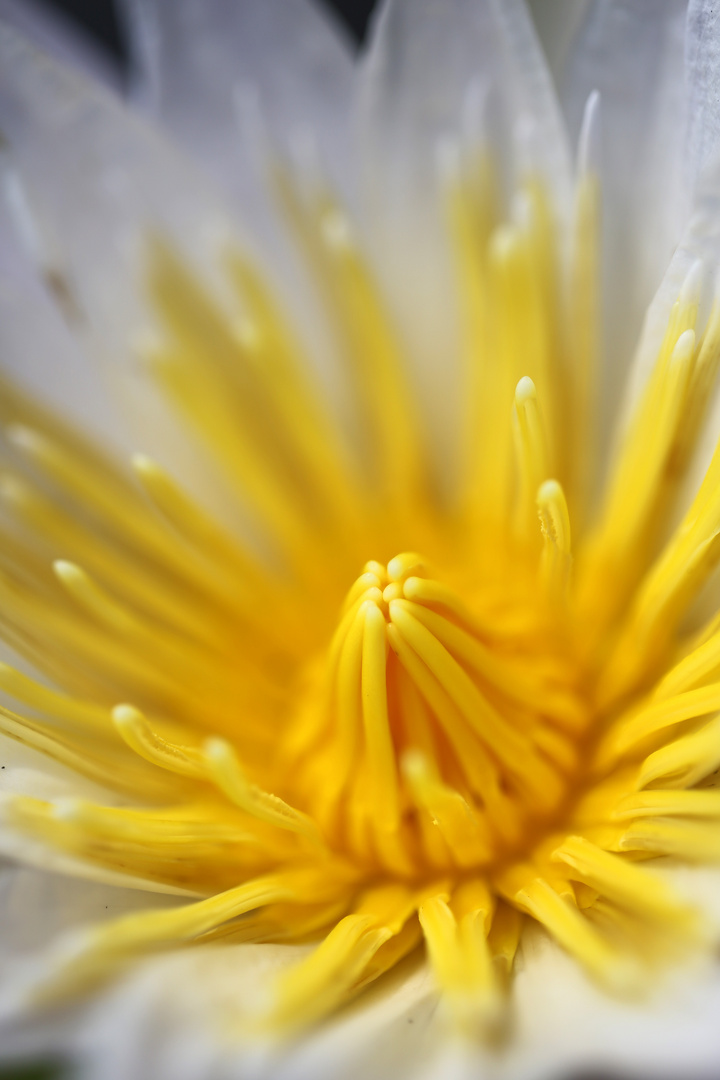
x=97, y=178
x=154, y=1027
x=200, y=65
x=39, y=349
x=436, y=75
x=63, y=39
x=240, y=85
x=632, y=52
x=702, y=60
x=557, y=22
x=566, y=1024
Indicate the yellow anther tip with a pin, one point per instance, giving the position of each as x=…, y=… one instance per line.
x=684, y=346
x=525, y=391
x=144, y=465
x=549, y=491
x=217, y=750
x=336, y=231
x=21, y=436
x=393, y=591
x=503, y=243
x=11, y=488
x=67, y=809
x=408, y=562
x=374, y=567
x=690, y=291
x=413, y=764
x=127, y=716
x=68, y=572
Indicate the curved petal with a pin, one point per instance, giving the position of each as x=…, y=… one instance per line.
x=63, y=39
x=557, y=22
x=197, y=59
x=565, y=1023
x=428, y=69
x=632, y=52
x=37, y=906
x=37, y=346
x=97, y=179
x=702, y=62
x=154, y=1026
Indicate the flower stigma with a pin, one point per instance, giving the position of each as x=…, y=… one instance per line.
x=506, y=717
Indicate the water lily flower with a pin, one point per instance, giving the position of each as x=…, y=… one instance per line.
x=361, y=700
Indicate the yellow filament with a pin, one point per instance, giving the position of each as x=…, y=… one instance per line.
x=556, y=562
x=531, y=455
x=576, y=934
x=223, y=767
x=626, y=884
x=463, y=829
x=381, y=756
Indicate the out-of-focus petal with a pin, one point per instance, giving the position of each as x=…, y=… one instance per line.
x=632, y=52
x=431, y=70
x=702, y=59
x=37, y=906
x=565, y=1023
x=97, y=178
x=154, y=1026
x=200, y=64
x=38, y=347
x=62, y=38
x=557, y=22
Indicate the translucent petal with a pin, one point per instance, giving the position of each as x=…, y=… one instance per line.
x=437, y=76
x=702, y=61
x=632, y=53
x=196, y=59
x=565, y=1023
x=96, y=178
x=63, y=38
x=557, y=22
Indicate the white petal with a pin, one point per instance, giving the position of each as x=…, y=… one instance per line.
x=423, y=59
x=176, y=1018
x=632, y=52
x=37, y=906
x=557, y=22
x=565, y=1023
x=702, y=58
x=63, y=38
x=197, y=58
x=37, y=346
x=97, y=177
x=180, y=1018
x=426, y=61
x=236, y=81
x=699, y=243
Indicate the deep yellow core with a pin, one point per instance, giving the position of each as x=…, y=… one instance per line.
x=447, y=732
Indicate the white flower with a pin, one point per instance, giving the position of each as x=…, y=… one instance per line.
x=195, y=751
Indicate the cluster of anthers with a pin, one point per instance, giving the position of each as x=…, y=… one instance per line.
x=497, y=729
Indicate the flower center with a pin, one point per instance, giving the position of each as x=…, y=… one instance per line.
x=445, y=732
